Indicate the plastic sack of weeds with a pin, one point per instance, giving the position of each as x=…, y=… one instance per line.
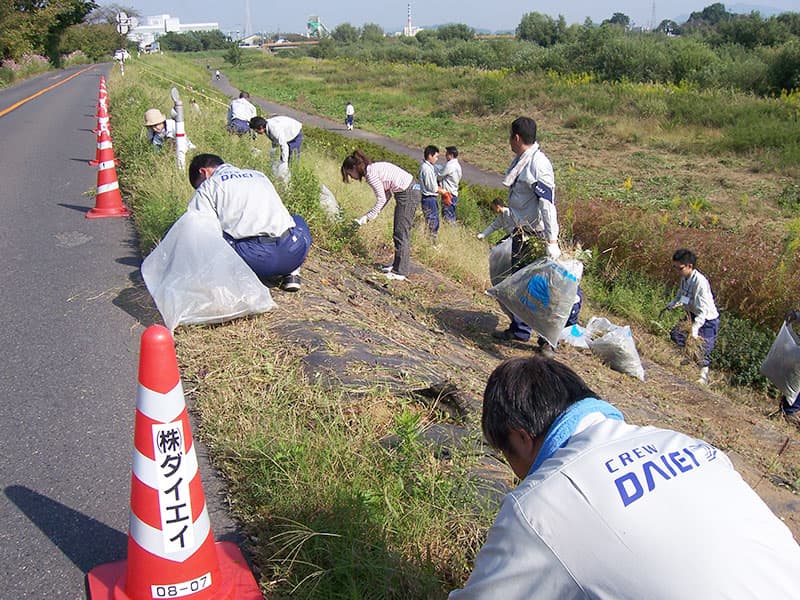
x=614, y=345
x=194, y=276
x=541, y=294
x=782, y=365
x=500, y=261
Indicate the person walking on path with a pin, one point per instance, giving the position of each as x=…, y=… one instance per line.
x=532, y=200
x=430, y=190
x=284, y=132
x=596, y=491
x=450, y=178
x=240, y=111
x=695, y=297
x=385, y=179
x=349, y=115
x=254, y=220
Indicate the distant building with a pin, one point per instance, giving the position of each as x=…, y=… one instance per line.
x=147, y=31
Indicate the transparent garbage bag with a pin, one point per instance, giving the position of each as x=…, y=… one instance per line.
x=614, y=345
x=194, y=276
x=542, y=294
x=782, y=365
x=574, y=335
x=328, y=203
x=500, y=261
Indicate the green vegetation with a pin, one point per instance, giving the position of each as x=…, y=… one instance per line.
x=332, y=512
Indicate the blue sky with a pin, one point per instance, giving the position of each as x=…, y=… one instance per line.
x=291, y=16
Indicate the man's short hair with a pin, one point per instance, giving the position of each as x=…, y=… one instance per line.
x=525, y=128
x=528, y=394
x=202, y=161
x=498, y=202
x=452, y=151
x=257, y=123
x=685, y=257
x=430, y=151
x=243, y=94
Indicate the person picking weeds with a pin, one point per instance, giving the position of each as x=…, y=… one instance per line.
x=531, y=187
x=702, y=317
x=607, y=509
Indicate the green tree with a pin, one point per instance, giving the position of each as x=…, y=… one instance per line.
x=620, y=19
x=96, y=41
x=707, y=18
x=541, y=29
x=372, y=33
x=345, y=33
x=234, y=55
x=457, y=31
x=668, y=27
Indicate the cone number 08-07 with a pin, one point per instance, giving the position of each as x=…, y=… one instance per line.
x=178, y=590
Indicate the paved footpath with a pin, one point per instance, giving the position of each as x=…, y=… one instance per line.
x=471, y=174
x=72, y=313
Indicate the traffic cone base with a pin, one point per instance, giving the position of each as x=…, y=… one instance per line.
x=107, y=582
x=171, y=548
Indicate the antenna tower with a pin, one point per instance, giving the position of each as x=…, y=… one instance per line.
x=652, y=16
x=248, y=21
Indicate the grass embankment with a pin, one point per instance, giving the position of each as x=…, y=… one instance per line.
x=330, y=512
x=642, y=170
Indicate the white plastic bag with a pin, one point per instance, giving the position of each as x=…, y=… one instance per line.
x=614, y=345
x=500, y=261
x=194, y=275
x=541, y=294
x=782, y=365
x=574, y=335
x=328, y=203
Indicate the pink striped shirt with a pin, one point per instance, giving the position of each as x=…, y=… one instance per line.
x=385, y=178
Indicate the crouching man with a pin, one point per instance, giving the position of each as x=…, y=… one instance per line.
x=254, y=220
x=611, y=510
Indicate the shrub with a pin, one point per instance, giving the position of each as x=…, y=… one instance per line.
x=741, y=349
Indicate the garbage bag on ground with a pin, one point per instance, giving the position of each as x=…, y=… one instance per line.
x=542, y=294
x=614, y=345
x=500, y=261
x=782, y=365
x=194, y=276
x=574, y=335
x=328, y=202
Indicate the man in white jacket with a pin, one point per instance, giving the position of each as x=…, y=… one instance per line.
x=254, y=220
x=285, y=133
x=531, y=187
x=608, y=510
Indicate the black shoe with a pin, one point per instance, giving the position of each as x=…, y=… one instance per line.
x=502, y=334
x=290, y=283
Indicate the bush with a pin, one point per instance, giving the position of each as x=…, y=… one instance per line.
x=741, y=349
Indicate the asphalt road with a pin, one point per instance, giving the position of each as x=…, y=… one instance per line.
x=72, y=310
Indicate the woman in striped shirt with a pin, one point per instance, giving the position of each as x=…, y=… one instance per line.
x=386, y=179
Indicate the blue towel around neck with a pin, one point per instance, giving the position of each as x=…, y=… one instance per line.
x=564, y=426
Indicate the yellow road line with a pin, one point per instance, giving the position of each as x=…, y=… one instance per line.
x=5, y=111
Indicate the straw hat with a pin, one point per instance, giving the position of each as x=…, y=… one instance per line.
x=153, y=116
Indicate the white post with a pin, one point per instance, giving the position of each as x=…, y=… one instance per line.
x=181, y=145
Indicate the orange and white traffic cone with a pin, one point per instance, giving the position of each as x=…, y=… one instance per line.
x=103, y=120
x=108, y=200
x=171, y=548
x=103, y=147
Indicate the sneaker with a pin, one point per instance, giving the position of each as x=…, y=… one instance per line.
x=703, y=379
x=290, y=283
x=387, y=268
x=395, y=276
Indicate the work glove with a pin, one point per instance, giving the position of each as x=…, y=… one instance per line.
x=361, y=220
x=447, y=198
x=553, y=251
x=695, y=329
x=481, y=236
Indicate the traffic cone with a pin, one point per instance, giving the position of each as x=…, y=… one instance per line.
x=103, y=147
x=171, y=548
x=103, y=121
x=108, y=200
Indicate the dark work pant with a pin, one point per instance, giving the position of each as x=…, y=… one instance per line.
x=275, y=258
x=404, y=210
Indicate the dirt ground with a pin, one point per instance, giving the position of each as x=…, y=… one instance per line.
x=430, y=338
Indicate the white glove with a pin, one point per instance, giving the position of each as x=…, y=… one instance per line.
x=695, y=329
x=361, y=220
x=481, y=236
x=553, y=251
